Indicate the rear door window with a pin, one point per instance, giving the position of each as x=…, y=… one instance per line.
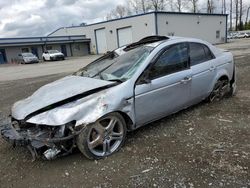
x=199, y=53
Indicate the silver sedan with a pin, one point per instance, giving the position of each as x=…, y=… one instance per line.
x=125, y=89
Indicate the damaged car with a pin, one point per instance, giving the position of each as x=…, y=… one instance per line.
x=94, y=108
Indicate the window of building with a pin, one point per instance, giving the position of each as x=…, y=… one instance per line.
x=25, y=50
x=199, y=53
x=218, y=34
x=172, y=60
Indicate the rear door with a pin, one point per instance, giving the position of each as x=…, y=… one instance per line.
x=168, y=90
x=203, y=71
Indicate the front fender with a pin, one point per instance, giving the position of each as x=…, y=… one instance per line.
x=83, y=111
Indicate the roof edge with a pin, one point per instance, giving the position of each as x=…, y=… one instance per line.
x=137, y=15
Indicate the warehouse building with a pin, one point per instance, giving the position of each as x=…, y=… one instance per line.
x=108, y=35
x=77, y=45
x=101, y=37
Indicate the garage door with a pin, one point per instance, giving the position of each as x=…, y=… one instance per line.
x=124, y=36
x=101, y=43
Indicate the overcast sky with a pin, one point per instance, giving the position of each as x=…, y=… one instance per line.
x=40, y=17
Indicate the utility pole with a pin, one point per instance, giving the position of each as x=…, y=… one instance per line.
x=241, y=25
x=231, y=15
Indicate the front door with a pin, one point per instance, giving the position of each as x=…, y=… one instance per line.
x=64, y=50
x=34, y=51
x=168, y=87
x=3, y=58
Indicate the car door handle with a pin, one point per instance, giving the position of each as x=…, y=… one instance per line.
x=212, y=68
x=186, y=79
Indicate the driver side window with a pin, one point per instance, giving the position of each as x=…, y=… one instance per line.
x=174, y=59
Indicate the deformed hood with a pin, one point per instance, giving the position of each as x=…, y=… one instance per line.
x=55, y=92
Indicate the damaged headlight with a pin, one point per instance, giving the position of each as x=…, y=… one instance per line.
x=65, y=130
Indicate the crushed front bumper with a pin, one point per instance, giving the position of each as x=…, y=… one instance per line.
x=39, y=145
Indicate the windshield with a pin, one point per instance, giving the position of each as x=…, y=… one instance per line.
x=114, y=67
x=27, y=55
x=53, y=51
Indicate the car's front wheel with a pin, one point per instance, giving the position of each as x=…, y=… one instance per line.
x=104, y=137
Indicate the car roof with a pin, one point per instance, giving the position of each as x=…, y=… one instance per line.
x=155, y=41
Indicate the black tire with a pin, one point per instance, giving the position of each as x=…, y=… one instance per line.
x=82, y=139
x=221, y=89
x=44, y=59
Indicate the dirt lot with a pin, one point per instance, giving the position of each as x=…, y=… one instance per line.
x=207, y=145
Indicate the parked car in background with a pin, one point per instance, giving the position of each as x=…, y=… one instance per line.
x=52, y=55
x=26, y=58
x=125, y=89
x=242, y=35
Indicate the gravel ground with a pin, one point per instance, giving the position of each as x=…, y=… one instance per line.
x=206, y=145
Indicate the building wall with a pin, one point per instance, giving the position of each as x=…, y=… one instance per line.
x=201, y=26
x=142, y=26
x=197, y=26
x=12, y=52
x=80, y=49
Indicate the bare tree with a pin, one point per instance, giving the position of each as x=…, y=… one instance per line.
x=158, y=4
x=231, y=15
x=240, y=16
x=223, y=7
x=194, y=4
x=236, y=14
x=170, y=3
x=210, y=6
x=139, y=5
x=119, y=12
x=144, y=6
x=246, y=22
x=109, y=16
x=179, y=5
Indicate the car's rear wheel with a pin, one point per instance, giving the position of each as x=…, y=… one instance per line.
x=104, y=137
x=220, y=90
x=44, y=59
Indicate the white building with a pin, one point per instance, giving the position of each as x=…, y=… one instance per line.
x=108, y=35
x=69, y=45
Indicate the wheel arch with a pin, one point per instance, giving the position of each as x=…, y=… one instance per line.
x=127, y=119
x=221, y=75
x=224, y=77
